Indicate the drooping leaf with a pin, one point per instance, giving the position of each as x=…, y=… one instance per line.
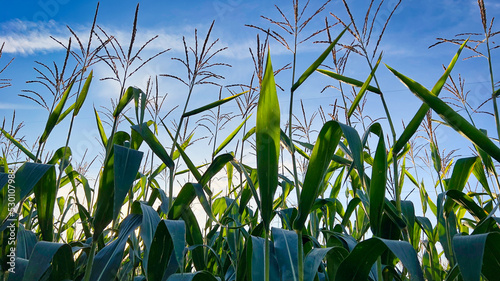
x=455, y=120
x=57, y=256
x=18, y=145
x=107, y=261
x=154, y=144
x=125, y=99
x=359, y=262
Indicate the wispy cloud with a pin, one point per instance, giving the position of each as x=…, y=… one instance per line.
x=16, y=106
x=27, y=38
x=30, y=38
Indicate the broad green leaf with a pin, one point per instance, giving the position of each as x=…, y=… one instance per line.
x=317, y=62
x=154, y=144
x=177, y=230
x=83, y=94
x=160, y=253
x=480, y=175
x=349, y=81
x=363, y=89
x=268, y=142
x=455, y=120
x=194, y=237
x=286, y=249
x=316, y=256
x=45, y=194
x=126, y=165
x=378, y=185
x=256, y=245
x=322, y=153
x=105, y=196
x=217, y=164
x=230, y=137
x=465, y=201
x=414, y=124
x=211, y=105
x=18, y=145
x=125, y=99
x=26, y=241
x=107, y=261
x=478, y=254
x=359, y=262
x=47, y=255
x=150, y=220
x=461, y=173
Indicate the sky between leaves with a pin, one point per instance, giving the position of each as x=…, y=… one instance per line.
x=26, y=27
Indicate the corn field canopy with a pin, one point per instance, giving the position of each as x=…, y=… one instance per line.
x=323, y=147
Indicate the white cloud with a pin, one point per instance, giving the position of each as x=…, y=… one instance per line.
x=15, y=106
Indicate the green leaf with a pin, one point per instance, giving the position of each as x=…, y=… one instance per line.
x=56, y=256
x=461, y=173
x=217, y=164
x=105, y=197
x=414, y=124
x=194, y=237
x=18, y=145
x=478, y=254
x=315, y=257
x=465, y=201
x=125, y=99
x=45, y=195
x=349, y=81
x=54, y=115
x=255, y=248
x=65, y=113
x=436, y=158
x=83, y=94
x=230, y=137
x=211, y=105
x=378, y=184
x=286, y=249
x=359, y=262
x=317, y=62
x=26, y=241
x=102, y=133
x=455, y=120
x=126, y=165
x=363, y=89
x=268, y=142
x=322, y=153
x=154, y=144
x=107, y=261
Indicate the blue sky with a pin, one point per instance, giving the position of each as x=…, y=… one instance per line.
x=26, y=27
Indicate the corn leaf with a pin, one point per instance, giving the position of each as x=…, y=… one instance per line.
x=317, y=62
x=154, y=144
x=322, y=153
x=230, y=137
x=47, y=255
x=455, y=120
x=83, y=94
x=126, y=165
x=18, y=145
x=363, y=89
x=55, y=114
x=268, y=142
x=412, y=127
x=358, y=264
x=125, y=99
x=349, y=81
x=211, y=105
